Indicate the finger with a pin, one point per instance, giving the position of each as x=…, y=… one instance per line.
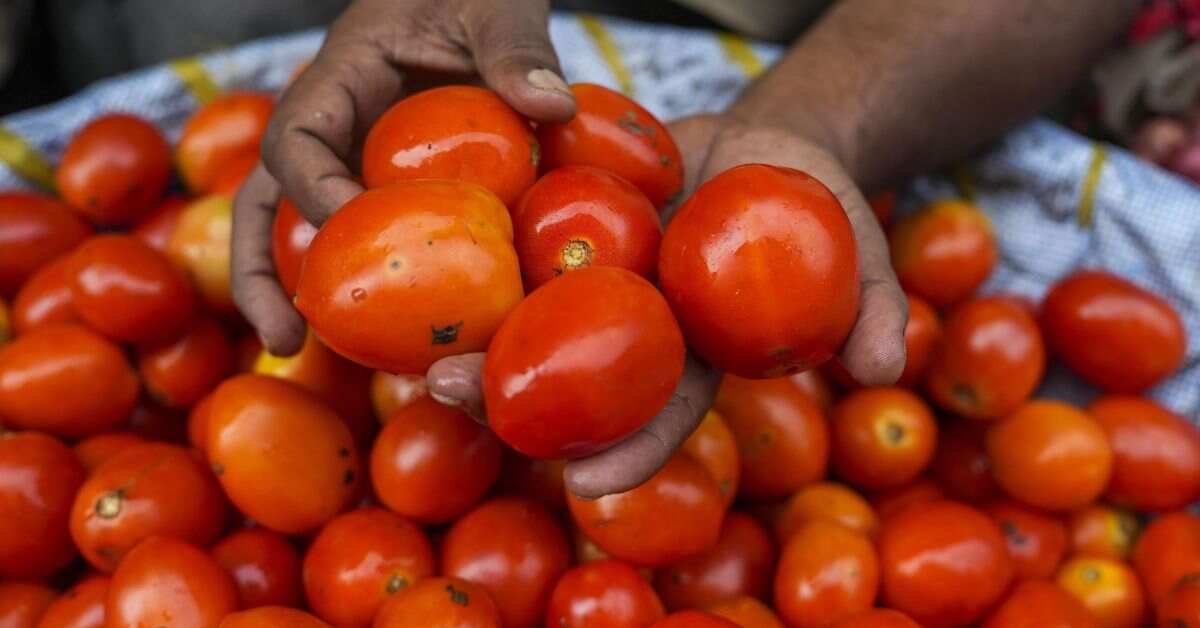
x=256, y=290
x=457, y=381
x=694, y=135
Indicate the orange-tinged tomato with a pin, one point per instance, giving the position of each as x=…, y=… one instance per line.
x=264, y=565
x=1167, y=550
x=94, y=451
x=713, y=445
x=1040, y=604
x=693, y=619
x=1108, y=588
x=179, y=372
x=1101, y=530
x=881, y=437
x=283, y=457
x=921, y=336
x=197, y=423
x=883, y=204
x=961, y=464
x=1156, y=454
x=6, y=331
x=943, y=252
x=38, y=479
x=1114, y=333
x=878, y=618
x=409, y=273
x=718, y=268
x=22, y=604
x=739, y=564
x=539, y=480
x=165, y=582
x=219, y=133
x=234, y=174
x=156, y=227
x=272, y=617
x=581, y=363
x=81, y=606
x=114, y=169
x=602, y=593
x=1037, y=541
x=200, y=247
x=440, y=603
x=897, y=500
x=290, y=236
x=1181, y=607
x=746, y=612
x=827, y=572
x=45, y=298
x=814, y=384
x=34, y=229
x=826, y=501
x=390, y=392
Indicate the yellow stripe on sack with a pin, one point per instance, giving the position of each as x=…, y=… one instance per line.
x=24, y=159
x=1087, y=197
x=962, y=180
x=196, y=78
x=739, y=51
x=608, y=50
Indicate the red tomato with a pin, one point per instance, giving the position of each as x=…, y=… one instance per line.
x=407, y=274
x=1167, y=550
x=1115, y=334
x=390, y=392
x=944, y=563
x=739, y=564
x=693, y=619
x=178, y=373
x=200, y=247
x=163, y=582
x=38, y=479
x=826, y=501
x=943, y=252
x=515, y=550
x=45, y=297
x=892, y=502
x=826, y=573
x=94, y=451
x=440, y=603
x=1156, y=454
x=921, y=336
x=23, y=604
x=814, y=384
x=613, y=132
x=961, y=464
x=746, y=612
x=264, y=565
x=1037, y=542
x=713, y=445
x=1040, y=604
x=719, y=263
x=220, y=132
x=234, y=174
x=290, y=236
x=627, y=356
x=6, y=332
x=81, y=606
x=881, y=437
x=1181, y=607
x=158, y=225
x=883, y=204
x=272, y=617
x=539, y=480
x=1108, y=588
x=34, y=229
x=878, y=618
x=602, y=593
x=114, y=169
x=197, y=424
x=1100, y=530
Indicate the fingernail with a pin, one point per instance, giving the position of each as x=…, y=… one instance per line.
x=542, y=78
x=446, y=401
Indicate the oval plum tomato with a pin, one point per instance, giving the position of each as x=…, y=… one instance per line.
x=746, y=612
x=200, y=247
x=1050, y=455
x=1040, y=604
x=602, y=593
x=989, y=361
x=921, y=336
x=22, y=604
x=1181, y=607
x=719, y=263
x=406, y=274
x=712, y=444
x=627, y=353
x=154, y=489
x=264, y=565
x=1167, y=550
x=457, y=132
x=284, y=458
x=38, y=479
x=358, y=560
x=45, y=298
x=944, y=563
x=179, y=372
x=739, y=564
x=114, y=169
x=943, y=252
x=94, y=451
x=272, y=617
x=1115, y=334
x=961, y=464
x=220, y=132
x=782, y=436
x=1101, y=530
x=894, y=501
x=81, y=606
x=826, y=501
x=67, y=380
x=613, y=132
x=1037, y=542
x=34, y=229
x=165, y=581
x=826, y=573
x=440, y=603
x=390, y=392
x=539, y=480
x=878, y=618
x=515, y=550
x=1108, y=588
x=881, y=437
x=158, y=225
x=578, y=216
x=814, y=384
x=290, y=236
x=1156, y=454
x=883, y=204
x=693, y=619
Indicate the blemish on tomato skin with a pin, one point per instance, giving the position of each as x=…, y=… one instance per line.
x=358, y=294
x=348, y=477
x=458, y=597
x=446, y=335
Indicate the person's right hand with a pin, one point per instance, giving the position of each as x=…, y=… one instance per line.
x=377, y=51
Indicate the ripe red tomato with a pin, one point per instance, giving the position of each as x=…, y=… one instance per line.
x=961, y=464
x=22, y=604
x=814, y=384
x=746, y=612
x=440, y=603
x=881, y=437
x=943, y=252
x=713, y=445
x=826, y=501
x=1115, y=334
x=407, y=274
x=290, y=236
x=1108, y=588
x=159, y=223
x=234, y=174
x=219, y=133
x=272, y=617
x=539, y=480
x=66, y=380
x=894, y=501
x=627, y=356
x=1040, y=604
x=1181, y=607
x=94, y=451
x=264, y=565
x=81, y=606
x=1037, y=542
x=826, y=573
x=1167, y=550
x=1101, y=530
x=613, y=132
x=197, y=424
x=579, y=216
x=878, y=618
x=719, y=265
x=200, y=246
x=1156, y=454
x=390, y=392
x=179, y=372
x=515, y=550
x=739, y=564
x=944, y=563
x=114, y=169
x=45, y=297
x=165, y=581
x=674, y=515
x=604, y=593
x=921, y=336
x=38, y=479
x=284, y=458
x=34, y=229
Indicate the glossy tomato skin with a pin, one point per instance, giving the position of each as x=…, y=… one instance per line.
x=961, y=464
x=814, y=384
x=45, y=298
x=156, y=227
x=921, y=336
x=1114, y=333
x=604, y=593
x=579, y=216
x=826, y=573
x=290, y=236
x=713, y=445
x=515, y=550
x=409, y=273
x=878, y=618
x=746, y=612
x=264, y=565
x=272, y=617
x=94, y=451
x=1037, y=541
x=1108, y=588
x=613, y=132
x=177, y=373
x=34, y=229
x=164, y=581
x=881, y=437
x=943, y=563
x=826, y=501
x=81, y=606
x=989, y=361
x=943, y=252
x=1040, y=604
x=1101, y=530
x=894, y=501
x=1181, y=607
x=739, y=564
x=555, y=388
x=440, y=603
x=390, y=392
x=23, y=603
x=114, y=169
x=1156, y=454
x=1167, y=550
x=38, y=479
x=693, y=619
x=66, y=380
x=200, y=245
x=220, y=132
x=719, y=263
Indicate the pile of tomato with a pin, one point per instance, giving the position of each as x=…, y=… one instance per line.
x=159, y=468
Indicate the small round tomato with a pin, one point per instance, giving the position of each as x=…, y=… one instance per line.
x=38, y=479
x=989, y=361
x=432, y=462
x=178, y=373
x=826, y=572
x=359, y=559
x=1040, y=604
x=693, y=619
x=782, y=436
x=746, y=612
x=1101, y=530
x=200, y=247
x=81, y=606
x=290, y=236
x=154, y=489
x=284, y=458
x=1115, y=334
x=739, y=564
x=613, y=132
x=877, y=618
x=164, y=582
x=943, y=252
x=1037, y=542
x=1156, y=454
x=921, y=336
x=826, y=501
x=220, y=132
x=158, y=225
x=94, y=451
x=1050, y=455
x=390, y=392
x=814, y=384
x=881, y=437
x=515, y=550
x=234, y=174
x=719, y=263
x=66, y=380
x=440, y=603
x=1181, y=607
x=556, y=387
x=944, y=563
x=1167, y=550
x=114, y=169
x=272, y=617
x=34, y=229
x=883, y=204
x=579, y=216
x=22, y=604
x=961, y=464
x=602, y=593
x=1108, y=588
x=46, y=297
x=264, y=565
x=713, y=445
x=406, y=274
x=894, y=501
